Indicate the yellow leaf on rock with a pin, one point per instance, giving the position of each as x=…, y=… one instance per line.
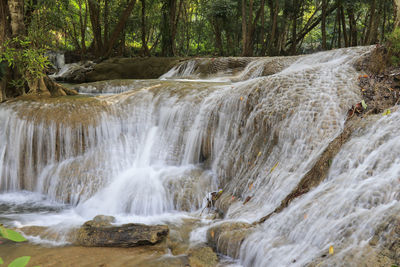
x=250, y=186
x=387, y=112
x=241, y=98
x=273, y=168
x=331, y=250
x=212, y=234
x=259, y=154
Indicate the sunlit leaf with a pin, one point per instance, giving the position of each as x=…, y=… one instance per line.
x=331, y=250
x=387, y=112
x=1, y=261
x=20, y=262
x=363, y=104
x=11, y=235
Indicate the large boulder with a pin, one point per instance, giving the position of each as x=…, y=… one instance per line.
x=100, y=232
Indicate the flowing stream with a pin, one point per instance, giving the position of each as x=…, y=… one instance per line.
x=150, y=151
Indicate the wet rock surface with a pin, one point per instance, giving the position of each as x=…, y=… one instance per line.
x=227, y=237
x=99, y=232
x=130, y=68
x=75, y=72
x=202, y=257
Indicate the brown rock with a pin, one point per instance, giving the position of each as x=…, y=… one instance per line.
x=100, y=233
x=202, y=257
x=226, y=238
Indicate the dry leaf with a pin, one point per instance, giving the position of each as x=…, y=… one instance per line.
x=273, y=168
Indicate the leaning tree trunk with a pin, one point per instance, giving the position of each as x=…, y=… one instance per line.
x=119, y=28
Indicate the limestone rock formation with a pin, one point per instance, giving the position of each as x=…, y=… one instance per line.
x=99, y=232
x=227, y=237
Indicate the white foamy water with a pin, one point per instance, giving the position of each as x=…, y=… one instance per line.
x=152, y=153
x=360, y=193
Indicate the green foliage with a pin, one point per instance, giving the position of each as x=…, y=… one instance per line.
x=19, y=53
x=394, y=46
x=224, y=9
x=20, y=262
x=11, y=235
x=15, y=237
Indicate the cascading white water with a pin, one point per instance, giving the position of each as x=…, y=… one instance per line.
x=360, y=194
x=161, y=146
x=185, y=69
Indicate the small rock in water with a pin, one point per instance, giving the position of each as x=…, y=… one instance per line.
x=104, y=219
x=100, y=233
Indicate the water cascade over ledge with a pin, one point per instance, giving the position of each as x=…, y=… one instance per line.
x=150, y=151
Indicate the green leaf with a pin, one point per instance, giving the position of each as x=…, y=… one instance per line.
x=20, y=262
x=363, y=104
x=11, y=235
x=1, y=261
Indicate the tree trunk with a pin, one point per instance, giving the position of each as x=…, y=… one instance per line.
x=323, y=25
x=383, y=24
x=4, y=34
x=16, y=8
x=397, y=13
x=368, y=36
x=293, y=48
x=119, y=28
x=346, y=40
x=353, y=25
x=106, y=21
x=218, y=37
x=12, y=25
x=273, y=42
x=339, y=23
x=94, y=11
x=145, y=49
x=244, y=25
x=250, y=27
x=262, y=34
x=83, y=25
x=170, y=20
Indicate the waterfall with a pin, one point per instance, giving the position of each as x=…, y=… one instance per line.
x=360, y=194
x=156, y=147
